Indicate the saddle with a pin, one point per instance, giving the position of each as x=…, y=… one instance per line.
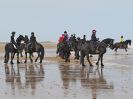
x=94, y=46
x=14, y=46
x=121, y=45
x=32, y=47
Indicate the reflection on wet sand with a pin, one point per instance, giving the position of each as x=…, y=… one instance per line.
x=15, y=76
x=12, y=76
x=91, y=79
x=33, y=75
x=94, y=80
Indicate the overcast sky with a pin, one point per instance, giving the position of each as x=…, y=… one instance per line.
x=50, y=18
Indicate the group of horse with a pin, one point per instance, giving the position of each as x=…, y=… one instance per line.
x=80, y=47
x=84, y=49
x=26, y=46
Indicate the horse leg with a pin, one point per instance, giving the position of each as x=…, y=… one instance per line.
x=91, y=55
x=5, y=58
x=102, y=61
x=77, y=54
x=30, y=57
x=25, y=57
x=61, y=54
x=18, y=57
x=89, y=61
x=12, y=57
x=116, y=50
x=82, y=58
x=21, y=54
x=126, y=49
x=7, y=55
x=66, y=57
x=37, y=57
x=99, y=57
x=57, y=50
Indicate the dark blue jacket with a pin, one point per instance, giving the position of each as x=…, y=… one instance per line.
x=93, y=38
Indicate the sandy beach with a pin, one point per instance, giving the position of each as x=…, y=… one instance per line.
x=55, y=78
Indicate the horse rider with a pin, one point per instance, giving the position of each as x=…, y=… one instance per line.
x=61, y=38
x=33, y=40
x=26, y=41
x=66, y=37
x=94, y=39
x=71, y=38
x=13, y=39
x=84, y=39
x=122, y=41
x=93, y=36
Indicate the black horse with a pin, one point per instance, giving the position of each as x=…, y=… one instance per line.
x=74, y=42
x=89, y=48
x=38, y=48
x=64, y=49
x=123, y=45
x=22, y=45
x=21, y=48
x=10, y=49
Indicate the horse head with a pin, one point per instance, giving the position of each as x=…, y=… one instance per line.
x=109, y=42
x=128, y=42
x=20, y=38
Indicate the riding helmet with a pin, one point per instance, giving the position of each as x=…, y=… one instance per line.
x=65, y=31
x=13, y=33
x=93, y=31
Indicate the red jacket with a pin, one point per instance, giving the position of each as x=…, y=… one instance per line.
x=61, y=39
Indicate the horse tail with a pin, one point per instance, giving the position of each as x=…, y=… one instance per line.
x=82, y=55
x=6, y=57
x=42, y=54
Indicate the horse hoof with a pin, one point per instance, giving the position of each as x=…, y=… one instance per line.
x=11, y=63
x=25, y=61
x=91, y=65
x=102, y=65
x=5, y=61
x=35, y=60
x=18, y=62
x=91, y=56
x=83, y=65
x=97, y=63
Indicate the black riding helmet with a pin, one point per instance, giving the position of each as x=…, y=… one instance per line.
x=13, y=33
x=122, y=36
x=32, y=33
x=65, y=31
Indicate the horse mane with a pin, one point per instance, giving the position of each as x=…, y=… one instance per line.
x=19, y=38
x=128, y=42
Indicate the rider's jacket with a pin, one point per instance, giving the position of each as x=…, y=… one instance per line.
x=32, y=39
x=121, y=40
x=13, y=41
x=93, y=37
x=61, y=39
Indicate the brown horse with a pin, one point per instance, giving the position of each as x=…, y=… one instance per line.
x=123, y=45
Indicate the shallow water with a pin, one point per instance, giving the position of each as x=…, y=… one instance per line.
x=62, y=80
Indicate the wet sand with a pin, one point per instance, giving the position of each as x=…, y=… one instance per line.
x=56, y=79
